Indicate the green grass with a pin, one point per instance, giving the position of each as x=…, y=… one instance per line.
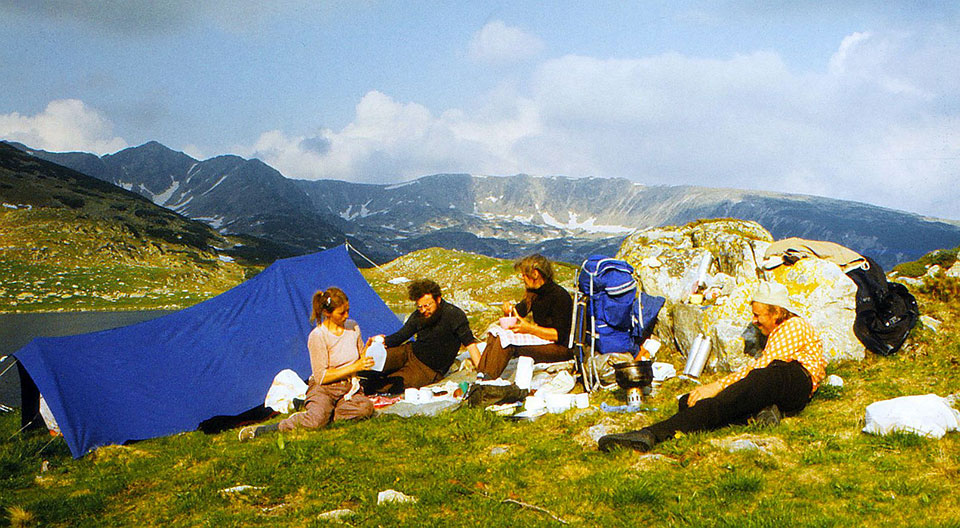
x=470, y=467
x=58, y=259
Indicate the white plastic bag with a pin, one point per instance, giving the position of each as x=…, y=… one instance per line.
x=286, y=386
x=926, y=415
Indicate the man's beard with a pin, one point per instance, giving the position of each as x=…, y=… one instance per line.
x=433, y=317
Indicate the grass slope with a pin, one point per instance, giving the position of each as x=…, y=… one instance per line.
x=472, y=468
x=72, y=242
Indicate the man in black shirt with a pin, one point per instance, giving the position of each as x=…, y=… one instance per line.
x=552, y=312
x=441, y=328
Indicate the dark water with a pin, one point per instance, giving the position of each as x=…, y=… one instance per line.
x=16, y=330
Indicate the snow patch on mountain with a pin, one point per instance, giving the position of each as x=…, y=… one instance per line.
x=224, y=177
x=362, y=213
x=399, y=185
x=162, y=198
x=589, y=225
x=215, y=222
x=180, y=206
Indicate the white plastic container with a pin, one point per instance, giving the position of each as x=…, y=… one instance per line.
x=524, y=372
x=377, y=351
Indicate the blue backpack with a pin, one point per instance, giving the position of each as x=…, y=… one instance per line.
x=618, y=316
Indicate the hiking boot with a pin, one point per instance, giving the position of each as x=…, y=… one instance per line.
x=247, y=433
x=641, y=440
x=768, y=417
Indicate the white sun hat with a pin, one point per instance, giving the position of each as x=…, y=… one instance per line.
x=774, y=294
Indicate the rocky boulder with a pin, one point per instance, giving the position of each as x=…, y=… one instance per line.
x=668, y=262
x=954, y=270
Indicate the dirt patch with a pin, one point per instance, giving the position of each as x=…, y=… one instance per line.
x=118, y=453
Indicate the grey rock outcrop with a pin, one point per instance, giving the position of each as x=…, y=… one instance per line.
x=667, y=259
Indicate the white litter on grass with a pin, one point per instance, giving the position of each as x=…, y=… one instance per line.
x=398, y=280
x=925, y=415
x=663, y=371
x=597, y=431
x=930, y=323
x=391, y=495
x=833, y=381
x=336, y=514
x=241, y=488
x=496, y=382
x=562, y=383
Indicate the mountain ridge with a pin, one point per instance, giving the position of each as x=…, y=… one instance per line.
x=507, y=216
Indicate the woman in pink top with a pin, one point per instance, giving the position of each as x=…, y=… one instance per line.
x=337, y=353
x=782, y=379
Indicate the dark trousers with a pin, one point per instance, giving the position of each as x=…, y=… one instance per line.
x=402, y=369
x=785, y=384
x=496, y=357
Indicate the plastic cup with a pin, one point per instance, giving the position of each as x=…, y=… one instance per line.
x=507, y=322
x=426, y=395
x=582, y=400
x=411, y=395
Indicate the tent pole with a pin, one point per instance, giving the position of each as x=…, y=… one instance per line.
x=10, y=366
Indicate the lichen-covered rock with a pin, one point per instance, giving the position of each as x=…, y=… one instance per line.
x=826, y=297
x=954, y=270
x=728, y=322
x=688, y=321
x=666, y=258
x=666, y=261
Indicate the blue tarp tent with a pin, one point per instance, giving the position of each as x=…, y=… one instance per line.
x=218, y=357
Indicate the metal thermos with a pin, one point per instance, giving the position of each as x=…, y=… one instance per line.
x=697, y=357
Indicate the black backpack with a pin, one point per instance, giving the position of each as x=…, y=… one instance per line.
x=886, y=311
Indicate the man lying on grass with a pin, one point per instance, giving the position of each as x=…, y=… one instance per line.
x=782, y=379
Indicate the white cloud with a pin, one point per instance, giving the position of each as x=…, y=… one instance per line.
x=497, y=43
x=388, y=141
x=64, y=125
x=869, y=127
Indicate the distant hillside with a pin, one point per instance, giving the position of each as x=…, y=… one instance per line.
x=476, y=283
x=229, y=193
x=566, y=219
x=569, y=218
x=69, y=241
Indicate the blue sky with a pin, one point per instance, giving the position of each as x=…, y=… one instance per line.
x=853, y=100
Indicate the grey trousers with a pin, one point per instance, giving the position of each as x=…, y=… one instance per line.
x=325, y=403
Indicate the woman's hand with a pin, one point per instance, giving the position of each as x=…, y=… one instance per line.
x=702, y=392
x=364, y=363
x=508, y=309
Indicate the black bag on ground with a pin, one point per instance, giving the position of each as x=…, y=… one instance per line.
x=484, y=395
x=886, y=311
